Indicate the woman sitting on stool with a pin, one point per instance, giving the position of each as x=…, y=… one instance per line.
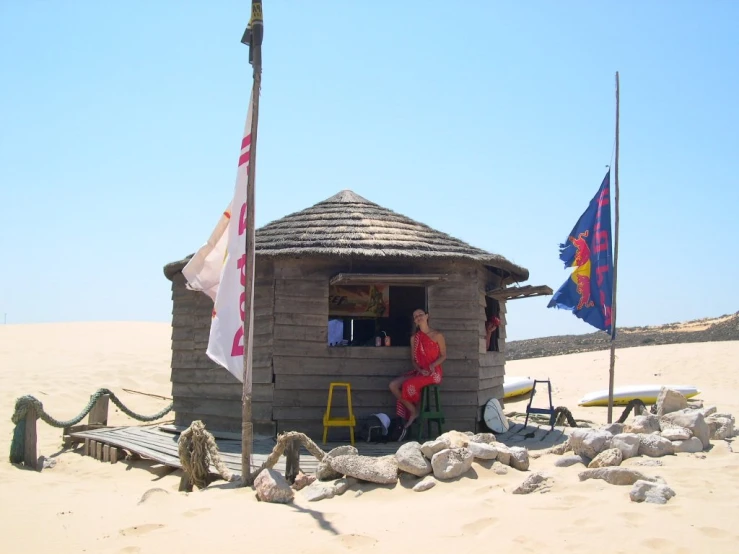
x=428, y=352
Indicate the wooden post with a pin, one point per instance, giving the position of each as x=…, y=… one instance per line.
x=93, y=448
x=256, y=23
x=98, y=450
x=99, y=413
x=106, y=453
x=292, y=461
x=30, y=455
x=87, y=447
x=113, y=454
x=185, y=484
x=612, y=371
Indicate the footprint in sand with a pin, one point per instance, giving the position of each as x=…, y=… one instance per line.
x=152, y=492
x=142, y=529
x=714, y=532
x=659, y=543
x=196, y=512
x=479, y=526
x=356, y=541
x=630, y=517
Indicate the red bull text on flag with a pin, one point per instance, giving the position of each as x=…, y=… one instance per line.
x=588, y=293
x=219, y=269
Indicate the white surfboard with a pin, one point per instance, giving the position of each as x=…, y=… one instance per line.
x=516, y=386
x=494, y=417
x=623, y=395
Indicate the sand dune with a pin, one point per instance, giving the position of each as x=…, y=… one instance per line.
x=84, y=505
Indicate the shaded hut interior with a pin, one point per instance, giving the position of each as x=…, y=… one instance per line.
x=311, y=267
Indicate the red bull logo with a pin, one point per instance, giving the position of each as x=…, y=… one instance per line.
x=581, y=273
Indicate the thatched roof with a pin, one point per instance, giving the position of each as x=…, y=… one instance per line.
x=348, y=225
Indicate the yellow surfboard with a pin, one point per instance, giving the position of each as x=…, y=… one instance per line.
x=623, y=395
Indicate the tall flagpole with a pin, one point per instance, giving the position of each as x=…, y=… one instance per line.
x=255, y=31
x=611, y=376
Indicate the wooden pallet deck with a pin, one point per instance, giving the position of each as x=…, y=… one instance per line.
x=159, y=443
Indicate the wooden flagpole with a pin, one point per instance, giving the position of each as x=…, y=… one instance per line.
x=247, y=431
x=612, y=373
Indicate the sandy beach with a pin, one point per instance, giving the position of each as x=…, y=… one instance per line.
x=82, y=505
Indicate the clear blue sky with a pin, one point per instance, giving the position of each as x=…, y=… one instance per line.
x=120, y=126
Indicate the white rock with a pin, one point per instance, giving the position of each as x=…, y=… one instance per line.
x=318, y=491
x=456, y=439
x=271, y=486
x=486, y=438
x=323, y=469
x=690, y=419
x=411, y=460
x=614, y=475
x=429, y=448
x=613, y=428
x=425, y=484
x=607, y=458
x=590, y=442
x=627, y=443
x=720, y=426
x=519, y=458
x=382, y=470
x=451, y=463
x=669, y=401
x=535, y=481
x=655, y=493
x=643, y=425
x=504, y=454
x=676, y=433
x=693, y=444
x=655, y=446
x=561, y=448
x=482, y=451
x=567, y=461
x=709, y=411
x=342, y=485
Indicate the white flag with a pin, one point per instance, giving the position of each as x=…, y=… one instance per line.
x=219, y=270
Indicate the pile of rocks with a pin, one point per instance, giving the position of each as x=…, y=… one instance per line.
x=447, y=457
x=675, y=428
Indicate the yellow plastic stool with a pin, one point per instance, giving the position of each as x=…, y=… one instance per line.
x=349, y=421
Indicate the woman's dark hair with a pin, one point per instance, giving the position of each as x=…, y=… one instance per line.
x=414, y=327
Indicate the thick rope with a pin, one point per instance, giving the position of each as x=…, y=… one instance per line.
x=635, y=404
x=282, y=441
x=23, y=403
x=197, y=451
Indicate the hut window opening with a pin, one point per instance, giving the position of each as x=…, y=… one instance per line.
x=492, y=310
x=364, y=315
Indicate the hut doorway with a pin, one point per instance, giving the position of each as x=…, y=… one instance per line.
x=492, y=309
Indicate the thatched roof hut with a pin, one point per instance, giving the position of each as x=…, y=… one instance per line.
x=343, y=243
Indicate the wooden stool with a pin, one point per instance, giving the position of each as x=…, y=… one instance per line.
x=427, y=414
x=348, y=421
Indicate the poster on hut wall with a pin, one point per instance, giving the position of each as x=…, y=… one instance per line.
x=359, y=300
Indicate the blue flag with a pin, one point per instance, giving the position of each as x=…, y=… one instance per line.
x=588, y=292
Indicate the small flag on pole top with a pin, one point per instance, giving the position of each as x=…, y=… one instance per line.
x=254, y=33
x=588, y=292
x=219, y=269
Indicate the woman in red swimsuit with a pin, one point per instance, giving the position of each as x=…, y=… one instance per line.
x=428, y=352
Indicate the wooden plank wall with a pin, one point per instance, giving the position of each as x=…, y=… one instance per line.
x=304, y=365
x=202, y=389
